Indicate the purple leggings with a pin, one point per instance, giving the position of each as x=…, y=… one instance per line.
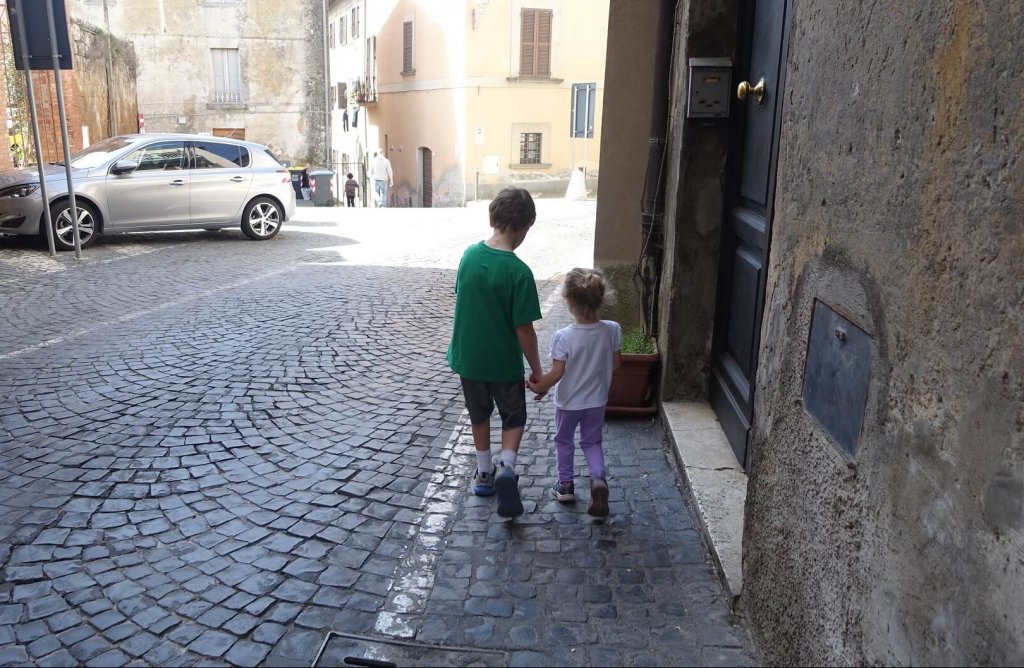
x=590, y=422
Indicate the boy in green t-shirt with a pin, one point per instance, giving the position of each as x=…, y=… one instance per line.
x=495, y=306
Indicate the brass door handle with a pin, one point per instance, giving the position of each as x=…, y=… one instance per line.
x=745, y=87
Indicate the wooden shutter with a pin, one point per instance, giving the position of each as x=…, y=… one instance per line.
x=407, y=47
x=528, y=43
x=535, y=43
x=543, y=43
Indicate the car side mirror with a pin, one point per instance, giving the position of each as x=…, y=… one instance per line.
x=124, y=166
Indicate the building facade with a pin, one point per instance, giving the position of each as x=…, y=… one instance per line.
x=837, y=272
x=467, y=96
x=251, y=69
x=99, y=92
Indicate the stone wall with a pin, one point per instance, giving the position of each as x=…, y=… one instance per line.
x=106, y=72
x=696, y=163
x=900, y=202
x=280, y=53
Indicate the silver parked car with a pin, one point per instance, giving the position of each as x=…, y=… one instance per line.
x=136, y=183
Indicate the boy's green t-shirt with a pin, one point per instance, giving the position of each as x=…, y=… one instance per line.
x=495, y=293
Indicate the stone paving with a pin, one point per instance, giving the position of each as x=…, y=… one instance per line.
x=216, y=451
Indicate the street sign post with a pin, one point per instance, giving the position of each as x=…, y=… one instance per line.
x=581, y=121
x=39, y=46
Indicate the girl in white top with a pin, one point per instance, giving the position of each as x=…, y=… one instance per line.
x=583, y=356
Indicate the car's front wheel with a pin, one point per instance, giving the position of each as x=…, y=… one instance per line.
x=262, y=218
x=63, y=230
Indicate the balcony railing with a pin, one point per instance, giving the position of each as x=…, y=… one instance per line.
x=226, y=97
x=365, y=90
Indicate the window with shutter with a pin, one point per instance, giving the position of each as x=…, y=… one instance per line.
x=227, y=76
x=343, y=30
x=407, y=48
x=355, y=22
x=535, y=43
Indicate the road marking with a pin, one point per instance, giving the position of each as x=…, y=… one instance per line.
x=139, y=314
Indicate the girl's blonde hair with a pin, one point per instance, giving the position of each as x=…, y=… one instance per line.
x=585, y=289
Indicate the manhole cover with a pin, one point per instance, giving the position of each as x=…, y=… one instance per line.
x=344, y=649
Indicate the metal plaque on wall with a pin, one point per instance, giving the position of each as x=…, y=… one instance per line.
x=836, y=376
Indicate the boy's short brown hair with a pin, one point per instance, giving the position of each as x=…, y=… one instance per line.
x=512, y=207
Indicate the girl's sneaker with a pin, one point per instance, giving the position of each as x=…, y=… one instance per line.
x=598, y=498
x=564, y=491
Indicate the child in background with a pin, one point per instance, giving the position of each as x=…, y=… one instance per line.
x=495, y=305
x=583, y=356
x=351, y=186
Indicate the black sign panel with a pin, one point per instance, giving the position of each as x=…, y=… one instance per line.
x=836, y=376
x=37, y=34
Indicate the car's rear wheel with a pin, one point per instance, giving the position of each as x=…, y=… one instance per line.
x=63, y=231
x=262, y=219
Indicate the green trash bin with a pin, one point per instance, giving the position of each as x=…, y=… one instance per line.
x=321, y=182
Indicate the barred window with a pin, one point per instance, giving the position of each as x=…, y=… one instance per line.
x=529, y=148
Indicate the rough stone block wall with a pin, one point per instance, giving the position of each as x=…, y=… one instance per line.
x=109, y=106
x=900, y=202
x=696, y=178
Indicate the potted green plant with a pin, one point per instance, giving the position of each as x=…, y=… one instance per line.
x=632, y=388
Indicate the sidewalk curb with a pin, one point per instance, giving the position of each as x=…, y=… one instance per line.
x=717, y=483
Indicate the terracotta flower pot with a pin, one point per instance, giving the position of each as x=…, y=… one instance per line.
x=632, y=389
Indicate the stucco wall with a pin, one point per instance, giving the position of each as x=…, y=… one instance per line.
x=281, y=55
x=617, y=233
x=900, y=201
x=465, y=57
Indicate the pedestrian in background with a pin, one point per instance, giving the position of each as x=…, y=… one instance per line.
x=496, y=304
x=383, y=177
x=351, y=186
x=583, y=356
x=17, y=156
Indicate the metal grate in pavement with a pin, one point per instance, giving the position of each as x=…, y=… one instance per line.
x=345, y=649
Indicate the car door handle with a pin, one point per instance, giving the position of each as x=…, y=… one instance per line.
x=177, y=182
x=237, y=179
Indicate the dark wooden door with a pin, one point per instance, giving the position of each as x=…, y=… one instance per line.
x=428, y=177
x=748, y=220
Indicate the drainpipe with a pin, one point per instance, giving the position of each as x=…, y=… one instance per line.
x=652, y=201
x=327, y=94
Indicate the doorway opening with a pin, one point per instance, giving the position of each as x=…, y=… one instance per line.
x=426, y=160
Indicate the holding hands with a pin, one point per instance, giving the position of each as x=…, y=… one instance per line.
x=542, y=384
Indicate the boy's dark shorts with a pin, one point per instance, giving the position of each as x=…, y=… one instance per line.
x=481, y=397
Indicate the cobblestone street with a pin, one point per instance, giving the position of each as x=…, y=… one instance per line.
x=216, y=451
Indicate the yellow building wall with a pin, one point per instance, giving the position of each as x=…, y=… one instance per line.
x=466, y=101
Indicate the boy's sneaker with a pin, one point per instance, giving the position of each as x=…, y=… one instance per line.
x=598, y=498
x=507, y=486
x=484, y=483
x=564, y=491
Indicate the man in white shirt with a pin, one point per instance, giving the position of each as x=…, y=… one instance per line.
x=383, y=177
